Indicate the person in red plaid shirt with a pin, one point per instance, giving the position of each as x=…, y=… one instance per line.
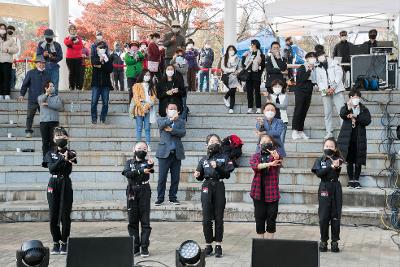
x=265, y=186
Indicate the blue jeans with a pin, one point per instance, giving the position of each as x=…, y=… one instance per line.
x=140, y=120
x=55, y=77
x=204, y=74
x=104, y=92
x=283, y=134
x=13, y=79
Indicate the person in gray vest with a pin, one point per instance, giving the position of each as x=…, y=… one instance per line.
x=170, y=152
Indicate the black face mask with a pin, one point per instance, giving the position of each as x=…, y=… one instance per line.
x=266, y=147
x=49, y=40
x=61, y=142
x=329, y=152
x=213, y=149
x=372, y=36
x=10, y=32
x=141, y=154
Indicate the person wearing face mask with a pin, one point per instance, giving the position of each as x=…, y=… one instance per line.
x=74, y=58
x=99, y=38
x=144, y=97
x=52, y=53
x=172, y=41
x=191, y=55
x=60, y=160
x=170, y=153
x=230, y=65
x=289, y=55
x=50, y=105
x=154, y=54
x=101, y=82
x=329, y=77
x=181, y=65
x=328, y=168
x=206, y=59
x=277, y=95
x=212, y=169
x=305, y=81
x=34, y=82
x=11, y=32
x=266, y=164
x=271, y=125
x=118, y=67
x=8, y=47
x=138, y=193
x=170, y=88
x=352, y=140
x=143, y=47
x=134, y=65
x=276, y=65
x=342, y=49
x=372, y=34
x=253, y=62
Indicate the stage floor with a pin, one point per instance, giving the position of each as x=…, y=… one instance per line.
x=361, y=247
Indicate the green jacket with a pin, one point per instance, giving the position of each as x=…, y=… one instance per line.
x=134, y=64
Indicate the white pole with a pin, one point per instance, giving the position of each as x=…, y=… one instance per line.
x=230, y=19
x=398, y=52
x=59, y=18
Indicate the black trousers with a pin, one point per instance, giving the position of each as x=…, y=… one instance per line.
x=130, y=83
x=265, y=213
x=46, y=131
x=30, y=115
x=231, y=94
x=213, y=203
x=119, y=79
x=138, y=200
x=330, y=209
x=60, y=198
x=253, y=91
x=75, y=73
x=302, y=104
x=5, y=78
x=172, y=164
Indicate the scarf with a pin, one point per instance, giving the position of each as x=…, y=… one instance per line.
x=273, y=60
x=51, y=45
x=254, y=62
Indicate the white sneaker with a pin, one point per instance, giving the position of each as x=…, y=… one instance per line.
x=258, y=111
x=250, y=111
x=230, y=111
x=7, y=97
x=303, y=135
x=226, y=102
x=295, y=135
x=1, y=97
x=328, y=135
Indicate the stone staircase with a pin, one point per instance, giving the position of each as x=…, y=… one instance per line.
x=99, y=187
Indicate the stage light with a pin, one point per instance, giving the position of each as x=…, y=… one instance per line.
x=189, y=253
x=33, y=253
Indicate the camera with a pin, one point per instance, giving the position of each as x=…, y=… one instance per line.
x=71, y=153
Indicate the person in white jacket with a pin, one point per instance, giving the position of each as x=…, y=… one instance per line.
x=230, y=66
x=329, y=77
x=8, y=48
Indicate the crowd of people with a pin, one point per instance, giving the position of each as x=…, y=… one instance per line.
x=164, y=71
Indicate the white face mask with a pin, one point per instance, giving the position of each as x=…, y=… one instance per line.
x=277, y=90
x=175, y=30
x=102, y=51
x=170, y=73
x=269, y=114
x=143, y=47
x=231, y=53
x=355, y=101
x=322, y=58
x=171, y=113
x=2, y=31
x=311, y=61
x=189, y=46
x=99, y=37
x=343, y=38
x=146, y=78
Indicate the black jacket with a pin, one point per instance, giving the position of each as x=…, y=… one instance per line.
x=117, y=60
x=35, y=81
x=273, y=73
x=303, y=83
x=101, y=76
x=57, y=164
x=342, y=49
x=345, y=135
x=163, y=86
x=322, y=168
x=134, y=171
x=255, y=75
x=222, y=171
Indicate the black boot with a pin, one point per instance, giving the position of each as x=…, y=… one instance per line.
x=208, y=250
x=323, y=246
x=218, y=251
x=335, y=246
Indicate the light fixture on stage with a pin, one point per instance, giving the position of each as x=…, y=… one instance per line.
x=190, y=254
x=33, y=253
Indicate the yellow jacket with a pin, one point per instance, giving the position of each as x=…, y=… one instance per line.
x=139, y=98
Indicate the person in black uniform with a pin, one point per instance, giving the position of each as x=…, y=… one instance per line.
x=328, y=168
x=212, y=169
x=59, y=190
x=342, y=49
x=138, y=194
x=372, y=34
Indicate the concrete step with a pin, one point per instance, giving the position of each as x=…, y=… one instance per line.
x=290, y=194
x=192, y=131
x=27, y=211
x=124, y=144
x=19, y=175
x=118, y=158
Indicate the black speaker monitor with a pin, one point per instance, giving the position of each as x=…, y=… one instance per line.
x=284, y=253
x=100, y=252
